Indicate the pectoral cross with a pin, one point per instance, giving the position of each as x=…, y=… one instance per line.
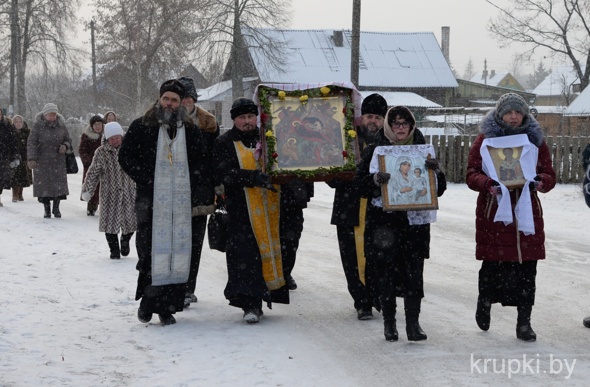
x=170, y=156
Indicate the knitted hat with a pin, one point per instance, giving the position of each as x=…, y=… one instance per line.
x=509, y=102
x=189, y=86
x=374, y=104
x=174, y=86
x=49, y=108
x=113, y=129
x=242, y=106
x=95, y=119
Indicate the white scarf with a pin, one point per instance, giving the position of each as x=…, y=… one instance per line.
x=528, y=161
x=171, y=225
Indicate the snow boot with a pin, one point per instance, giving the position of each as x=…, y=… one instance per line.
x=125, y=249
x=252, y=316
x=390, y=330
x=483, y=314
x=586, y=322
x=55, y=211
x=47, y=207
x=143, y=316
x=291, y=284
x=113, y=242
x=524, y=331
x=412, y=309
x=167, y=319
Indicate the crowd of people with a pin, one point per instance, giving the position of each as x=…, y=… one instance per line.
x=164, y=176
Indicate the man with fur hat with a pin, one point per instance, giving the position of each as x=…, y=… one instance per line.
x=207, y=123
x=509, y=252
x=165, y=154
x=254, y=264
x=46, y=148
x=90, y=140
x=348, y=213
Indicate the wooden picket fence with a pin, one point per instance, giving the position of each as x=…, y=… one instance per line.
x=566, y=154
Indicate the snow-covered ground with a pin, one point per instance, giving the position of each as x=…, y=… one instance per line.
x=68, y=315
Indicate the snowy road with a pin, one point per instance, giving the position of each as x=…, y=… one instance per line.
x=68, y=311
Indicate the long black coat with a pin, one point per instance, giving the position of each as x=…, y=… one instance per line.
x=137, y=157
x=23, y=176
x=8, y=152
x=388, y=234
x=244, y=263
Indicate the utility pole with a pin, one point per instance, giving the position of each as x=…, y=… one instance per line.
x=94, y=91
x=356, y=37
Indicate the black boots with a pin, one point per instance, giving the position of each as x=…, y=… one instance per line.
x=47, y=207
x=55, y=211
x=524, y=331
x=483, y=313
x=413, y=329
x=113, y=241
x=390, y=330
x=125, y=249
x=586, y=322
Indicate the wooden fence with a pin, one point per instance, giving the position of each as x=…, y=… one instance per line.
x=566, y=154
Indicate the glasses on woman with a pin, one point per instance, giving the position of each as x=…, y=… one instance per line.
x=404, y=125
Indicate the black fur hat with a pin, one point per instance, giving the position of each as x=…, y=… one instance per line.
x=242, y=106
x=174, y=86
x=189, y=87
x=374, y=104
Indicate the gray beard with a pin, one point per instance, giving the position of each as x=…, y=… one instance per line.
x=166, y=117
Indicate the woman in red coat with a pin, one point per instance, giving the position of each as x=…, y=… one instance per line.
x=509, y=254
x=90, y=140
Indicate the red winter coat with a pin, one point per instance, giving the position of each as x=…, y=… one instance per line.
x=494, y=240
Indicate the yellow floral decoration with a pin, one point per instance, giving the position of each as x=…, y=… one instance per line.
x=352, y=133
x=268, y=133
x=325, y=90
x=282, y=94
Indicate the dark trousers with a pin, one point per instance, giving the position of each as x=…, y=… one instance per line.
x=199, y=225
x=290, y=228
x=510, y=283
x=347, y=245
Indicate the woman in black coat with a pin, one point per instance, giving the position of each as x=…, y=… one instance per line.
x=396, y=248
x=23, y=176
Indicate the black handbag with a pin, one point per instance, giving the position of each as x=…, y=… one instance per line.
x=217, y=229
x=71, y=163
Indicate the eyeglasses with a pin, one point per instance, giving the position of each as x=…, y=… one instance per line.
x=404, y=125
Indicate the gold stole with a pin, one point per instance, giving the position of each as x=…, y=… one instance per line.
x=263, y=209
x=359, y=237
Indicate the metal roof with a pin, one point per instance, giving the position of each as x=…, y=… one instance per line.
x=396, y=98
x=580, y=106
x=387, y=59
x=554, y=83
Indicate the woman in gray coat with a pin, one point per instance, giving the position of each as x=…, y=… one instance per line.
x=46, y=149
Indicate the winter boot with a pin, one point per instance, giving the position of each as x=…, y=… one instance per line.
x=413, y=329
x=483, y=314
x=56, y=212
x=15, y=191
x=113, y=242
x=524, y=331
x=167, y=319
x=144, y=317
x=125, y=244
x=390, y=330
x=47, y=206
x=20, y=194
x=586, y=322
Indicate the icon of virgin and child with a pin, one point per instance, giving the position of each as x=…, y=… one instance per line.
x=408, y=185
x=309, y=135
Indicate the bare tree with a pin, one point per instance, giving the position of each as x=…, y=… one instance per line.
x=39, y=36
x=150, y=38
x=230, y=27
x=469, y=72
x=559, y=26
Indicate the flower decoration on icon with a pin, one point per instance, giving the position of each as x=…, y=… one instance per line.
x=282, y=95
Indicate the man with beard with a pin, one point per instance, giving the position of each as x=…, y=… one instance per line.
x=348, y=214
x=207, y=124
x=254, y=262
x=165, y=154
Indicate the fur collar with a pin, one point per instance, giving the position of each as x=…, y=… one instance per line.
x=40, y=121
x=91, y=134
x=490, y=128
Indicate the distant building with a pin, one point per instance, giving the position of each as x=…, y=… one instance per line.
x=559, y=88
x=499, y=79
x=412, y=63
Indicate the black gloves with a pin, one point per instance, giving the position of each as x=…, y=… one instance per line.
x=263, y=180
x=432, y=164
x=381, y=178
x=536, y=185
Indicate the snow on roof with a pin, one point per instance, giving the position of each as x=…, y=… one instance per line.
x=549, y=109
x=215, y=92
x=492, y=80
x=387, y=59
x=396, y=98
x=554, y=83
x=580, y=106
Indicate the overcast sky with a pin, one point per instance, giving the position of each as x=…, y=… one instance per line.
x=467, y=19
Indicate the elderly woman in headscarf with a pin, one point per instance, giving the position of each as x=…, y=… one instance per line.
x=394, y=245
x=46, y=150
x=90, y=140
x=508, y=250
